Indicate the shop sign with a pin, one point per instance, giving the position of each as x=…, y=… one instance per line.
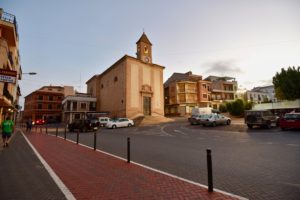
x=8, y=76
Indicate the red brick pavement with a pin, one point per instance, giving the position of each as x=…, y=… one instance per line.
x=95, y=175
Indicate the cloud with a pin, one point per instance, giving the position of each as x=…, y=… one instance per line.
x=223, y=67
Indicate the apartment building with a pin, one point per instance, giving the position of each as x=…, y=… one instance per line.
x=223, y=89
x=185, y=91
x=131, y=87
x=10, y=68
x=77, y=106
x=46, y=103
x=269, y=90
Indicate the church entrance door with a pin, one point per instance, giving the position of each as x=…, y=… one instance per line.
x=147, y=106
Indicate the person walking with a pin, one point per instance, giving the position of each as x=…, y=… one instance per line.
x=28, y=125
x=7, y=130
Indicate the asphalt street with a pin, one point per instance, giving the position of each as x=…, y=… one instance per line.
x=256, y=164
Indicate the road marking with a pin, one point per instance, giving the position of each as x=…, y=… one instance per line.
x=294, y=145
x=178, y=131
x=292, y=184
x=56, y=179
x=162, y=129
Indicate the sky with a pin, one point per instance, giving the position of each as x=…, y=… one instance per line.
x=66, y=42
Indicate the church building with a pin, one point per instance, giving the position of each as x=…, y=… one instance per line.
x=131, y=87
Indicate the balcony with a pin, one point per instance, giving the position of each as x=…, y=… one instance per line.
x=7, y=17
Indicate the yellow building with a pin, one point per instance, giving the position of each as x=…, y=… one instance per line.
x=131, y=87
x=10, y=68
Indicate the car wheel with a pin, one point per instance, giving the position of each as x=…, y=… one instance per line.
x=282, y=128
x=268, y=125
x=114, y=126
x=250, y=126
x=214, y=124
x=129, y=125
x=228, y=122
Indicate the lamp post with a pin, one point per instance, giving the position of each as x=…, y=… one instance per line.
x=30, y=73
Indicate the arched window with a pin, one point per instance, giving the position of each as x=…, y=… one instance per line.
x=116, y=79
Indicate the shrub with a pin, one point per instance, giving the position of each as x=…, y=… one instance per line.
x=222, y=108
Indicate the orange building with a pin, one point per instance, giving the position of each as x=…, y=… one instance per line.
x=185, y=91
x=10, y=68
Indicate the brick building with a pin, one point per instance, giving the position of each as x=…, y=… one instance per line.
x=185, y=91
x=46, y=103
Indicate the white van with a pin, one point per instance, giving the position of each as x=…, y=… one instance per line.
x=203, y=111
x=103, y=120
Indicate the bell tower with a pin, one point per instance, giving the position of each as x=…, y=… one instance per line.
x=144, y=49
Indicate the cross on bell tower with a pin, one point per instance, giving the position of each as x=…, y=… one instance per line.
x=144, y=49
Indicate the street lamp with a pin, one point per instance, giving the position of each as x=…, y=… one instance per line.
x=30, y=73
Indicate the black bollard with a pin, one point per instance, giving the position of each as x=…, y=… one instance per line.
x=65, y=133
x=56, y=133
x=77, y=137
x=128, y=150
x=209, y=171
x=46, y=130
x=95, y=141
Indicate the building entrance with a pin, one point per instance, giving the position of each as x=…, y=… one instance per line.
x=147, y=106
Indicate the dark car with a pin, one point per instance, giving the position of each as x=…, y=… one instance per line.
x=290, y=121
x=262, y=118
x=83, y=125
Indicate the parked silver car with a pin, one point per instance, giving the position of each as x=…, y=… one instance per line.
x=214, y=120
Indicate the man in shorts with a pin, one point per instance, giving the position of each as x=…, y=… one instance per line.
x=7, y=130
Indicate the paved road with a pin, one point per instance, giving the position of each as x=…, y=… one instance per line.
x=257, y=164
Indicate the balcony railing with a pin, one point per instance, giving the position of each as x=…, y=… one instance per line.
x=9, y=18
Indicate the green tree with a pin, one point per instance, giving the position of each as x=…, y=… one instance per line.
x=287, y=83
x=248, y=105
x=236, y=107
x=222, y=108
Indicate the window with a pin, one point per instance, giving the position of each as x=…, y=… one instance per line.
x=39, y=106
x=75, y=105
x=102, y=86
x=59, y=97
x=204, y=86
x=50, y=106
x=50, y=89
x=58, y=106
x=40, y=97
x=50, y=98
x=204, y=96
x=77, y=116
x=83, y=105
x=116, y=79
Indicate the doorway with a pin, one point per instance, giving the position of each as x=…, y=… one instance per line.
x=147, y=106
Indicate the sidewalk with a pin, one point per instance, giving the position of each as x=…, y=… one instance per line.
x=92, y=174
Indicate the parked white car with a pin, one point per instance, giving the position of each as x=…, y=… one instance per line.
x=120, y=122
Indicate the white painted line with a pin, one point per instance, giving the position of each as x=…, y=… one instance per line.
x=56, y=179
x=162, y=129
x=159, y=171
x=295, y=145
x=178, y=131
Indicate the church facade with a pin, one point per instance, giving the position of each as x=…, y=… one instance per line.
x=131, y=87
